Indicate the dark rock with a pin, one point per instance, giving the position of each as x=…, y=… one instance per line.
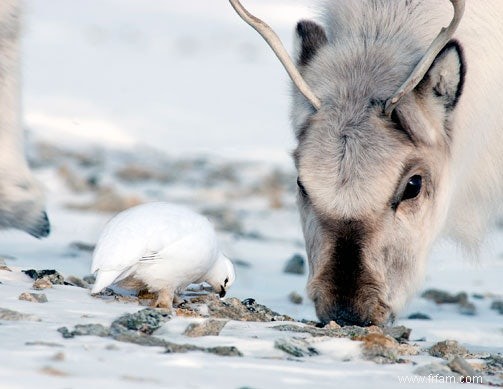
x=296, y=347
x=295, y=298
x=145, y=321
x=75, y=281
x=91, y=330
x=65, y=332
x=210, y=327
x=51, y=275
x=443, y=297
x=399, y=333
x=7, y=314
x=497, y=306
x=478, y=296
x=494, y=363
x=447, y=349
x=81, y=246
x=33, y=297
x=418, y=316
x=224, y=351
x=295, y=265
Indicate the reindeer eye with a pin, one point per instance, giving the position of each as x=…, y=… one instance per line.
x=413, y=188
x=301, y=188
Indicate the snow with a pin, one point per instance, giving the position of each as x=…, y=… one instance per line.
x=177, y=80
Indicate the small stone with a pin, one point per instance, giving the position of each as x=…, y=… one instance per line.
x=295, y=298
x=210, y=327
x=90, y=279
x=81, y=246
x=7, y=314
x=443, y=297
x=75, y=281
x=90, y=330
x=3, y=266
x=65, y=332
x=58, y=357
x=53, y=372
x=467, y=308
x=295, y=265
x=42, y=283
x=379, y=348
x=52, y=275
x=43, y=343
x=33, y=297
x=332, y=325
x=399, y=333
x=497, y=306
x=295, y=347
x=241, y=263
x=418, y=316
x=224, y=351
x=447, y=349
x=459, y=365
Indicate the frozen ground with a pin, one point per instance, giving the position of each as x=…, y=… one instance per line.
x=171, y=101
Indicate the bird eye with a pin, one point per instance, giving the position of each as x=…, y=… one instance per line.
x=226, y=281
x=413, y=188
x=301, y=188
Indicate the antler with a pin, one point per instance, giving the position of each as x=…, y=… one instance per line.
x=275, y=43
x=422, y=67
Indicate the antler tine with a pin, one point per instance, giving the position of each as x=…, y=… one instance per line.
x=422, y=67
x=275, y=43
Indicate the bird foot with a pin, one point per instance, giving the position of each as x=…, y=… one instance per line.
x=164, y=300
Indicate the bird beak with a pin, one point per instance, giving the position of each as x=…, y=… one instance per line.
x=222, y=292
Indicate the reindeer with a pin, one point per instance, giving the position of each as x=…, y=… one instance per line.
x=400, y=142
x=22, y=204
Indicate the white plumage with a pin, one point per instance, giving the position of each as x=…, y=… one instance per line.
x=163, y=247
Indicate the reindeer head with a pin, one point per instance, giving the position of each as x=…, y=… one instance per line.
x=372, y=169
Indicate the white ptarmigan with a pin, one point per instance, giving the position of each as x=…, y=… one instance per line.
x=161, y=247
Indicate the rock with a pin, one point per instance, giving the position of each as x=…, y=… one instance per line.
x=351, y=332
x=51, y=275
x=53, y=372
x=3, y=266
x=296, y=347
x=241, y=263
x=224, y=351
x=447, y=349
x=497, y=306
x=442, y=297
x=295, y=265
x=58, y=357
x=399, y=333
x=418, y=316
x=33, y=297
x=75, y=281
x=136, y=174
x=65, y=332
x=90, y=279
x=42, y=283
x=81, y=246
x=467, y=308
x=7, y=314
x=435, y=369
x=145, y=321
x=295, y=298
x=246, y=310
x=91, y=330
x=210, y=327
x=459, y=365
x=43, y=343
x=379, y=348
x=332, y=325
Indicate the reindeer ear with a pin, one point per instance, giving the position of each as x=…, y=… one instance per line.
x=310, y=37
x=445, y=78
